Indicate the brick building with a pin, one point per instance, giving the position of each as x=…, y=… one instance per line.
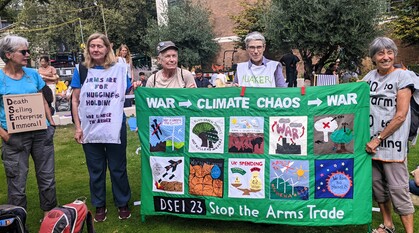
x=408, y=55
x=221, y=12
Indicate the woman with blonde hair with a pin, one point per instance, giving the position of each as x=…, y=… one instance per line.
x=124, y=56
x=100, y=125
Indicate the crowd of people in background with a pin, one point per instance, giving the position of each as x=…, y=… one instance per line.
x=290, y=63
x=285, y=71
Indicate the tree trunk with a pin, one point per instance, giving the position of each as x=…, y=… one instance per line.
x=308, y=64
x=204, y=139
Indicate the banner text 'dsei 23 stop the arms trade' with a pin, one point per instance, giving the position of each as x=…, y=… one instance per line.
x=273, y=155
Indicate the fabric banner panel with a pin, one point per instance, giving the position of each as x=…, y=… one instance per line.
x=273, y=155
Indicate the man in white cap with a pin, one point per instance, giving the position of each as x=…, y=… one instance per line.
x=171, y=76
x=258, y=71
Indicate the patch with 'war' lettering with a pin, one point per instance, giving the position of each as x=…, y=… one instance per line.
x=288, y=135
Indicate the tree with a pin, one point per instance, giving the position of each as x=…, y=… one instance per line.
x=249, y=19
x=59, y=25
x=326, y=29
x=9, y=13
x=406, y=25
x=323, y=28
x=128, y=21
x=5, y=3
x=188, y=26
x=207, y=133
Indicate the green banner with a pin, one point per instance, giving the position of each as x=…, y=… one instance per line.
x=271, y=155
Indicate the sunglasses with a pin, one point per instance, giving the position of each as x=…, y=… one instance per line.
x=24, y=52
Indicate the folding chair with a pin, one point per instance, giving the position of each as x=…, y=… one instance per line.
x=325, y=79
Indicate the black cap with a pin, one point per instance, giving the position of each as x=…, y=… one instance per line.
x=164, y=45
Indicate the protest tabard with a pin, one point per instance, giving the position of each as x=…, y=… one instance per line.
x=24, y=112
x=268, y=155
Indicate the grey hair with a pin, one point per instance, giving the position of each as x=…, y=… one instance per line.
x=10, y=44
x=381, y=43
x=254, y=36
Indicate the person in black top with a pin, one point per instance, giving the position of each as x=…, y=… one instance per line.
x=143, y=79
x=332, y=69
x=200, y=80
x=290, y=62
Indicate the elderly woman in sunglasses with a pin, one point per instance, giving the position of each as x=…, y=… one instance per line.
x=15, y=78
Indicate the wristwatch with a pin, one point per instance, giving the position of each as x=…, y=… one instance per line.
x=380, y=138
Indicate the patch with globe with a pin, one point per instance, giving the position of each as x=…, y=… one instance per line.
x=334, y=178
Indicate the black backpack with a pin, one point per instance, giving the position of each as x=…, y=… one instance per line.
x=12, y=219
x=414, y=114
x=414, y=111
x=83, y=74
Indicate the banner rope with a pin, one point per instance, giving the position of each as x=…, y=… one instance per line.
x=57, y=25
x=49, y=27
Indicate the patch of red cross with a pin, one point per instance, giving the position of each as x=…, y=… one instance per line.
x=326, y=125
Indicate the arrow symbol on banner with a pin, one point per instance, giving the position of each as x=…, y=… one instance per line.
x=315, y=102
x=185, y=104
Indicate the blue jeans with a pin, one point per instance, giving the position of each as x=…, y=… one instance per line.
x=413, y=188
x=99, y=157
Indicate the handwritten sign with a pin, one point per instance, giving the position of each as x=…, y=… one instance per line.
x=24, y=112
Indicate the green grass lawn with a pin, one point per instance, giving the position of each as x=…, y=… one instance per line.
x=73, y=182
